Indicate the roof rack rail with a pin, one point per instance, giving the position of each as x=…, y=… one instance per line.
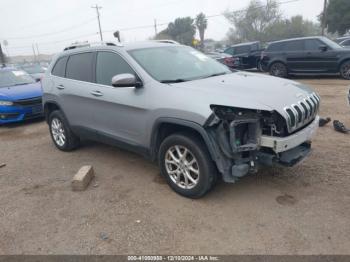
x=87, y=44
x=167, y=41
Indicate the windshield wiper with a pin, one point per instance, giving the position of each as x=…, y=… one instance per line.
x=173, y=81
x=20, y=84
x=216, y=74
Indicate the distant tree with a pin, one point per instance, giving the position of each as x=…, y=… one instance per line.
x=265, y=23
x=181, y=30
x=252, y=23
x=201, y=24
x=162, y=35
x=338, y=16
x=296, y=26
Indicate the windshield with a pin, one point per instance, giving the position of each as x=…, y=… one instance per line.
x=177, y=63
x=331, y=43
x=15, y=77
x=35, y=69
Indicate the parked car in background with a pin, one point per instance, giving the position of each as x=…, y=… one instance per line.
x=343, y=41
x=20, y=96
x=225, y=59
x=175, y=105
x=36, y=71
x=248, y=54
x=307, y=55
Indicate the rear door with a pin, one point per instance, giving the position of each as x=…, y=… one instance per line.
x=243, y=53
x=294, y=53
x=76, y=90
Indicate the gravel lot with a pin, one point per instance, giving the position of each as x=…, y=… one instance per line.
x=129, y=209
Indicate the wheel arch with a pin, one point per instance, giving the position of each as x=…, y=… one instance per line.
x=49, y=107
x=164, y=127
x=346, y=59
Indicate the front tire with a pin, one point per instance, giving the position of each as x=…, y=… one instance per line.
x=186, y=165
x=61, y=134
x=345, y=70
x=279, y=69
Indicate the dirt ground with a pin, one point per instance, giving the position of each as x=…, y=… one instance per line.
x=128, y=208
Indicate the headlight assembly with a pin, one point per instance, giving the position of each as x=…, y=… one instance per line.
x=5, y=103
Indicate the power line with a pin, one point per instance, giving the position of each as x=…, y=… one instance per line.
x=120, y=29
x=52, y=33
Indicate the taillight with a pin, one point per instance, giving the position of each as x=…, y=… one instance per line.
x=229, y=60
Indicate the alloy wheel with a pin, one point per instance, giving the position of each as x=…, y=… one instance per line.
x=278, y=70
x=182, y=167
x=58, y=132
x=345, y=71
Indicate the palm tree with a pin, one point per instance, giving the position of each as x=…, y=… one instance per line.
x=202, y=24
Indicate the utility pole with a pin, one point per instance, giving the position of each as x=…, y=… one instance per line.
x=37, y=49
x=34, y=52
x=98, y=18
x=324, y=17
x=2, y=58
x=155, y=27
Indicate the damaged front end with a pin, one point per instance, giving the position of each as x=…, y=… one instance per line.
x=244, y=139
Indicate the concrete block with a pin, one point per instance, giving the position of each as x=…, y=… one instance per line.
x=82, y=179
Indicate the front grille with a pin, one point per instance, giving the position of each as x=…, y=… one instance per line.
x=28, y=102
x=303, y=112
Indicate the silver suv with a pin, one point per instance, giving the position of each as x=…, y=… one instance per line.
x=177, y=106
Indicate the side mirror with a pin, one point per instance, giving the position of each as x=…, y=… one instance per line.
x=125, y=80
x=323, y=48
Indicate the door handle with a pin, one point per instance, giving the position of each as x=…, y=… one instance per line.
x=96, y=93
x=60, y=87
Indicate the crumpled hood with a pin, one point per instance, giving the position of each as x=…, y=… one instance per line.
x=248, y=90
x=27, y=91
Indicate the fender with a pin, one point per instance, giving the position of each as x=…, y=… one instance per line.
x=181, y=122
x=56, y=104
x=343, y=59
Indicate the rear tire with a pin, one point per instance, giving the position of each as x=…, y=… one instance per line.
x=279, y=69
x=61, y=133
x=345, y=70
x=186, y=165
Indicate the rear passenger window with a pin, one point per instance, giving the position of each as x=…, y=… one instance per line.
x=108, y=65
x=275, y=47
x=60, y=67
x=242, y=49
x=294, y=46
x=313, y=45
x=79, y=67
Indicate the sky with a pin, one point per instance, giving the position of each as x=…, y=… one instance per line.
x=53, y=24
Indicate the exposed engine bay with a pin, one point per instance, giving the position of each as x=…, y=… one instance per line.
x=239, y=139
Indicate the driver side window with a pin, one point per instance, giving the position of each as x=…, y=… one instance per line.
x=109, y=64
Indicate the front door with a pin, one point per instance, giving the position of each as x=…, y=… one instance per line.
x=120, y=112
x=318, y=60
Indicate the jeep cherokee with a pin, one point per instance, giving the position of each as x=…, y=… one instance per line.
x=177, y=106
